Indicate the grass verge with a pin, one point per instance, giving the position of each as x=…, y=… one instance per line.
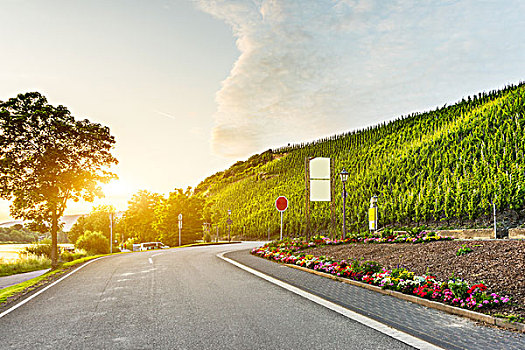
x=30, y=285
x=24, y=265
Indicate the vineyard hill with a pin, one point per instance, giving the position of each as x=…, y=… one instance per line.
x=442, y=168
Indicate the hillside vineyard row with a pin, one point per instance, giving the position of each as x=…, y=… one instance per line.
x=444, y=167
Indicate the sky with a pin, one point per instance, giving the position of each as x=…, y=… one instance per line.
x=188, y=87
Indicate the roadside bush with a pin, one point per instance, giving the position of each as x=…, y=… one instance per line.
x=93, y=243
x=67, y=256
x=40, y=249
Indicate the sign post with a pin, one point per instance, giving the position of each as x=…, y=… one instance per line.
x=372, y=214
x=281, y=203
x=180, y=228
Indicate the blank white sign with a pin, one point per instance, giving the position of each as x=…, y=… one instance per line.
x=320, y=168
x=320, y=191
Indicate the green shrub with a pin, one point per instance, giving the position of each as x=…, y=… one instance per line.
x=93, y=243
x=459, y=288
x=366, y=267
x=463, y=250
x=67, y=256
x=40, y=249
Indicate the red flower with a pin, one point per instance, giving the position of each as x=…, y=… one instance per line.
x=481, y=287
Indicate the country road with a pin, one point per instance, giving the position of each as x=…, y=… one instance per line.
x=184, y=298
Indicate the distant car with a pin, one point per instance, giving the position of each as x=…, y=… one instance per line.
x=152, y=246
x=67, y=249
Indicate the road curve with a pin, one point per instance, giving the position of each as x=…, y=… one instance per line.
x=184, y=298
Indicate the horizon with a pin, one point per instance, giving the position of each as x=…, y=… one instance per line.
x=230, y=79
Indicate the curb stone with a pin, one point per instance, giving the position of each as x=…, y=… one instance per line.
x=476, y=316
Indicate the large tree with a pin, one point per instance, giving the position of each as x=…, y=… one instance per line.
x=96, y=221
x=140, y=216
x=48, y=158
x=180, y=202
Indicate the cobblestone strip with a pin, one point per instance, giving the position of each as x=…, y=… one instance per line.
x=437, y=327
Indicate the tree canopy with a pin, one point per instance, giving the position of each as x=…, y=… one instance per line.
x=167, y=212
x=96, y=221
x=48, y=158
x=139, y=218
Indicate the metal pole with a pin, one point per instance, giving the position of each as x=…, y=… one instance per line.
x=281, y=226
x=110, y=233
x=229, y=233
x=495, y=229
x=332, y=199
x=179, y=236
x=344, y=210
x=268, y=232
x=307, y=194
x=217, y=227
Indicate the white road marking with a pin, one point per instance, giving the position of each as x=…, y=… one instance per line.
x=378, y=326
x=46, y=288
x=154, y=255
x=150, y=260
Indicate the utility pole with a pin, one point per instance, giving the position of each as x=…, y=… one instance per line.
x=180, y=229
x=110, y=233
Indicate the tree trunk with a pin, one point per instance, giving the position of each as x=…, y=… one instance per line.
x=54, y=240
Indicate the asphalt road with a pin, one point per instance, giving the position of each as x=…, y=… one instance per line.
x=178, y=299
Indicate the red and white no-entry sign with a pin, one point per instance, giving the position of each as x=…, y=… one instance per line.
x=281, y=203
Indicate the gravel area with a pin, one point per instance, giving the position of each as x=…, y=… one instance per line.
x=500, y=264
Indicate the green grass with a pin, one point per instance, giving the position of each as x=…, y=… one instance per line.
x=27, y=264
x=24, y=286
x=511, y=318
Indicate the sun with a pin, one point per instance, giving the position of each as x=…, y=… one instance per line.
x=116, y=188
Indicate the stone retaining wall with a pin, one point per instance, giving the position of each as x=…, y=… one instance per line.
x=482, y=233
x=517, y=233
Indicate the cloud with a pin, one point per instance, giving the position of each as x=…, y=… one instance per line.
x=311, y=68
x=284, y=85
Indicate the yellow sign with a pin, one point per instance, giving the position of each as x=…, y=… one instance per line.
x=372, y=218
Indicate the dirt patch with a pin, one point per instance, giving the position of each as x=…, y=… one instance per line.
x=499, y=264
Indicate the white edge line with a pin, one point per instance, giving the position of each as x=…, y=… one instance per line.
x=154, y=255
x=378, y=326
x=47, y=287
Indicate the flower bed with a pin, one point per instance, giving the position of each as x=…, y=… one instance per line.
x=456, y=292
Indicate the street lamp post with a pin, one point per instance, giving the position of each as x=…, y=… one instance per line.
x=344, y=178
x=229, y=223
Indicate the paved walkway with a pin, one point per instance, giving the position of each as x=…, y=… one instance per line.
x=19, y=278
x=437, y=327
